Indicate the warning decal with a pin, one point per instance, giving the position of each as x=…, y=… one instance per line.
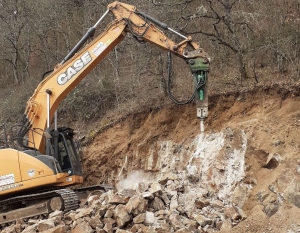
x=7, y=179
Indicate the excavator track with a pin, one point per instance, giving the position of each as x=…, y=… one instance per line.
x=26, y=206
x=70, y=199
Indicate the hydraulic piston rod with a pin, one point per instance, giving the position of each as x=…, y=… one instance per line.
x=161, y=24
x=88, y=34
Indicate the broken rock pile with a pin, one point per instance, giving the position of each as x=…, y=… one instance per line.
x=168, y=205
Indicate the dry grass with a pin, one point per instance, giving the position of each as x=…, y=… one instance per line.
x=92, y=107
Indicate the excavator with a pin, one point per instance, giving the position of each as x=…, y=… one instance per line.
x=36, y=176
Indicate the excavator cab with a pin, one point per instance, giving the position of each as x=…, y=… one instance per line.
x=66, y=153
x=62, y=148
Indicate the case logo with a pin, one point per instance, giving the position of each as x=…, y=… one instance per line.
x=74, y=69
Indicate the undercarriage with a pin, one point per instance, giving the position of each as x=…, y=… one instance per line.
x=30, y=205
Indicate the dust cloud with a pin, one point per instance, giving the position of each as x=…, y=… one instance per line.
x=133, y=179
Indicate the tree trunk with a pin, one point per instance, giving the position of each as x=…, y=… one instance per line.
x=242, y=67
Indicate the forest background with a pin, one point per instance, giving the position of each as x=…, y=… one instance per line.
x=252, y=43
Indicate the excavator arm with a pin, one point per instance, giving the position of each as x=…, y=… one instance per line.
x=42, y=105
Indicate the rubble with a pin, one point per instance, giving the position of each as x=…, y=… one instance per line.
x=156, y=209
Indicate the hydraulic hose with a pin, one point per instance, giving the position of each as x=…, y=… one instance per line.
x=171, y=96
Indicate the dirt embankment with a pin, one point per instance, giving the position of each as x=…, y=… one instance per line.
x=270, y=120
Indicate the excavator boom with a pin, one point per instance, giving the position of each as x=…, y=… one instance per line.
x=66, y=75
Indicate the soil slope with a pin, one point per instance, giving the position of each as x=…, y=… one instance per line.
x=270, y=119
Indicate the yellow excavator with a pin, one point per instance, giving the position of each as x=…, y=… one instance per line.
x=34, y=179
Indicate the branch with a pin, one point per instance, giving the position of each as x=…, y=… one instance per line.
x=9, y=61
x=176, y=4
x=216, y=37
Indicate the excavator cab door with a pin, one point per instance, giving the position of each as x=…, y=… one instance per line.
x=67, y=155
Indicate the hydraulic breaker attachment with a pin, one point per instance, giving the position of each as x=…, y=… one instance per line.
x=200, y=69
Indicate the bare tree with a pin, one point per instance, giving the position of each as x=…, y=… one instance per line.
x=15, y=35
x=226, y=22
